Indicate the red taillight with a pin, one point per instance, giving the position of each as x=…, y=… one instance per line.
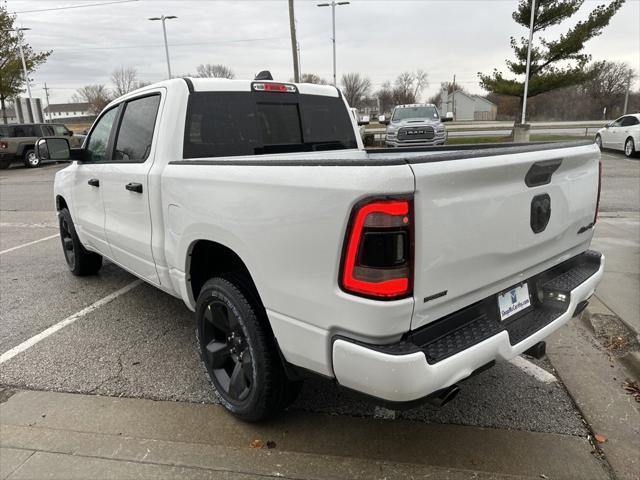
x=4, y=145
x=595, y=216
x=274, y=87
x=378, y=256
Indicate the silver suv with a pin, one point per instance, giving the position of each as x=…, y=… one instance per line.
x=416, y=125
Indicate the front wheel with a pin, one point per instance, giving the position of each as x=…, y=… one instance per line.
x=80, y=261
x=239, y=350
x=629, y=148
x=31, y=160
x=599, y=142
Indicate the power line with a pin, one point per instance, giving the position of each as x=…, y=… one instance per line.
x=68, y=7
x=118, y=47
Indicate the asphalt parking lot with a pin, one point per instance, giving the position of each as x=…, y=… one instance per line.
x=142, y=344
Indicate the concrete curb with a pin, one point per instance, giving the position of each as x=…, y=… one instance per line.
x=632, y=359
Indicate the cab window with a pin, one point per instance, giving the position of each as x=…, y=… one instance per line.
x=60, y=130
x=47, y=130
x=133, y=141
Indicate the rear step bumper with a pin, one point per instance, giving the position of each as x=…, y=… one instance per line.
x=451, y=349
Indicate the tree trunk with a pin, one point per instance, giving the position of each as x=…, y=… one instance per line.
x=4, y=111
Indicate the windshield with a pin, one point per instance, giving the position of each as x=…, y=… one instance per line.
x=403, y=113
x=221, y=124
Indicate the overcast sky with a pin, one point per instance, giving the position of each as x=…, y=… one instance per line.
x=379, y=38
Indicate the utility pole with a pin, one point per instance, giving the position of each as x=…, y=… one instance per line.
x=526, y=80
x=163, y=18
x=294, y=42
x=299, y=60
x=626, y=95
x=333, y=26
x=453, y=99
x=46, y=94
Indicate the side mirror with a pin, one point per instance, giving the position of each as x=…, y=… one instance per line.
x=56, y=149
x=383, y=120
x=446, y=119
x=70, y=133
x=363, y=122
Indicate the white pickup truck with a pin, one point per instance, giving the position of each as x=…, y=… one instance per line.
x=398, y=273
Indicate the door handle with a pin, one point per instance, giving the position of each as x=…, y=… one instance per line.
x=134, y=187
x=94, y=182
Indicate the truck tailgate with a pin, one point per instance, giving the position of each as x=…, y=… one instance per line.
x=475, y=219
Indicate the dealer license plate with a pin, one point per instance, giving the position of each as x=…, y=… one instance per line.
x=513, y=301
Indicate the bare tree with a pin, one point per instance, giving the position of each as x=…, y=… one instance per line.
x=312, y=78
x=609, y=79
x=214, y=71
x=404, y=89
x=124, y=80
x=356, y=88
x=385, y=97
x=420, y=82
x=97, y=96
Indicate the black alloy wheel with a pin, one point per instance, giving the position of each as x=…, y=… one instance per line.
x=67, y=242
x=81, y=262
x=226, y=351
x=239, y=350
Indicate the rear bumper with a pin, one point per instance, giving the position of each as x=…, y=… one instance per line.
x=451, y=349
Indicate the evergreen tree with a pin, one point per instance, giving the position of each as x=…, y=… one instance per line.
x=12, y=81
x=554, y=63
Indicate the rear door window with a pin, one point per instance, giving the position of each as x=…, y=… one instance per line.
x=629, y=121
x=220, y=124
x=133, y=141
x=25, y=131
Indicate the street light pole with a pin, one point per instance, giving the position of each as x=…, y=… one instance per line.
x=24, y=63
x=526, y=80
x=626, y=94
x=164, y=32
x=333, y=26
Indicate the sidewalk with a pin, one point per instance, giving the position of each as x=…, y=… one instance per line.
x=618, y=237
x=57, y=435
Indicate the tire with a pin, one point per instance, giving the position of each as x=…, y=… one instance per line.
x=30, y=159
x=81, y=262
x=599, y=142
x=4, y=164
x=239, y=351
x=629, y=148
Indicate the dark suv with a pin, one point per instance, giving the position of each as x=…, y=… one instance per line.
x=17, y=141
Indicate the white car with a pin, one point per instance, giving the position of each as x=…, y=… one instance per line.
x=396, y=273
x=621, y=134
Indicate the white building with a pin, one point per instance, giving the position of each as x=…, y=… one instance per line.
x=63, y=111
x=468, y=107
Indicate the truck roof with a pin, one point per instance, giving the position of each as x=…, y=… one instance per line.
x=410, y=105
x=228, y=85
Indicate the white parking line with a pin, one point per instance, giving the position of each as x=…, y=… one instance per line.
x=532, y=369
x=9, y=354
x=28, y=244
